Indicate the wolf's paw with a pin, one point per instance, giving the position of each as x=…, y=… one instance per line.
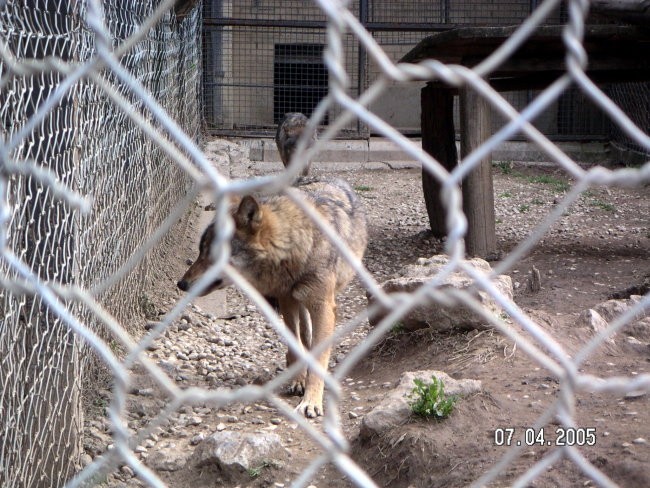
x=298, y=384
x=310, y=409
x=297, y=388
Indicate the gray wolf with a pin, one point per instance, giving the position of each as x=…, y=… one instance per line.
x=290, y=129
x=285, y=256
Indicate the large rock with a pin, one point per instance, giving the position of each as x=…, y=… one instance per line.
x=594, y=323
x=234, y=453
x=394, y=410
x=636, y=332
x=436, y=315
x=611, y=309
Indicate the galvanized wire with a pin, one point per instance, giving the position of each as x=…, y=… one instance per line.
x=83, y=189
x=99, y=157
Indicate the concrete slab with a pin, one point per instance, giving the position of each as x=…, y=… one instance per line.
x=336, y=151
x=344, y=151
x=379, y=149
x=582, y=152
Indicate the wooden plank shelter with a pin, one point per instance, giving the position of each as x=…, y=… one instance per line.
x=616, y=54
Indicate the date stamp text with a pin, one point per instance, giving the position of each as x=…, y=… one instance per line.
x=561, y=436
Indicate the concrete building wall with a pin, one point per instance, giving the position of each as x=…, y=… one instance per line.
x=247, y=88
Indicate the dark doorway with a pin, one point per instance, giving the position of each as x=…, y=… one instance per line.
x=299, y=79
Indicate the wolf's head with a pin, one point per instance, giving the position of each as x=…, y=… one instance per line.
x=248, y=221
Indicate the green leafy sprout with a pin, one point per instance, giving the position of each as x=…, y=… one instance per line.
x=505, y=167
x=363, y=188
x=558, y=184
x=256, y=471
x=429, y=399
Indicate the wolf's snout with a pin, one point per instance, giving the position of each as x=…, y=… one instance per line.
x=183, y=285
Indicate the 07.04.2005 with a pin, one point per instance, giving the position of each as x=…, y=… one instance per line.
x=564, y=436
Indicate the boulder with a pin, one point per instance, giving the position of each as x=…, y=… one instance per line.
x=611, y=309
x=593, y=322
x=636, y=333
x=639, y=330
x=394, y=410
x=443, y=316
x=235, y=453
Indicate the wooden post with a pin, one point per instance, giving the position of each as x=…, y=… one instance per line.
x=478, y=192
x=438, y=140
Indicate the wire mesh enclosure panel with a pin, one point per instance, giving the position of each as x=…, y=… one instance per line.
x=262, y=73
x=442, y=13
x=63, y=132
x=299, y=79
x=634, y=100
x=261, y=61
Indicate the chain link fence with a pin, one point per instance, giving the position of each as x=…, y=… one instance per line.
x=98, y=103
x=633, y=99
x=84, y=186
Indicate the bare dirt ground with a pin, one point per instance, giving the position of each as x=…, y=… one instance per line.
x=599, y=249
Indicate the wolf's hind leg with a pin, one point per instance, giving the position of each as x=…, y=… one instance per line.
x=323, y=315
x=305, y=327
x=293, y=314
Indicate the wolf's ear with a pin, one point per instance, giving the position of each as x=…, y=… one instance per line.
x=248, y=216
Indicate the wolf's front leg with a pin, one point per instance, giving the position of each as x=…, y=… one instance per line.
x=323, y=317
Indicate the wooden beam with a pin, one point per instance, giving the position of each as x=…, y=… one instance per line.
x=478, y=191
x=438, y=140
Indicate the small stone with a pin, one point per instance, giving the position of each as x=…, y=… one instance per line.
x=85, y=460
x=197, y=439
x=640, y=440
x=151, y=325
x=127, y=471
x=352, y=415
x=276, y=421
x=635, y=394
x=221, y=426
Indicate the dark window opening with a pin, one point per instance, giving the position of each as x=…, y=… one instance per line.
x=299, y=79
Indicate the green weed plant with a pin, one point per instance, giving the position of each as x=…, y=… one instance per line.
x=429, y=400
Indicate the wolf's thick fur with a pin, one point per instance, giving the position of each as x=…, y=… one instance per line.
x=286, y=257
x=289, y=131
